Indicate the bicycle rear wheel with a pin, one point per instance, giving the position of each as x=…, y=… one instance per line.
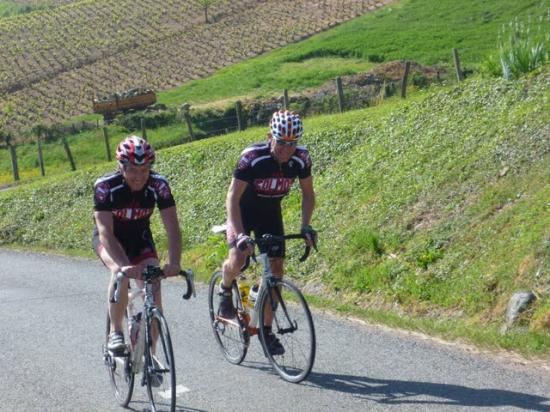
x=293, y=326
x=160, y=369
x=119, y=367
x=231, y=335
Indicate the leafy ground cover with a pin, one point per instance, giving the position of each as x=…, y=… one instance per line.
x=432, y=211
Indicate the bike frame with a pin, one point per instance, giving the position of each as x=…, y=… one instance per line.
x=144, y=339
x=268, y=281
x=144, y=334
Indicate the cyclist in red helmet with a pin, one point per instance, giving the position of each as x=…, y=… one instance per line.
x=123, y=203
x=263, y=176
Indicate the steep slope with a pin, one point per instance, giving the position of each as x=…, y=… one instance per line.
x=436, y=207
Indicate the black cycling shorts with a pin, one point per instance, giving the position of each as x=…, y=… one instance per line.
x=137, y=248
x=262, y=220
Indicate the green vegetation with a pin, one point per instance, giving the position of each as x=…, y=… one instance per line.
x=55, y=60
x=350, y=48
x=522, y=47
x=432, y=212
x=87, y=148
x=8, y=8
x=421, y=30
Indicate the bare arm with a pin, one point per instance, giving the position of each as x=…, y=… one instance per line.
x=308, y=200
x=104, y=223
x=234, y=194
x=171, y=224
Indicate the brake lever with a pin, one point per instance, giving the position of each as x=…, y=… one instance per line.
x=190, y=280
x=306, y=254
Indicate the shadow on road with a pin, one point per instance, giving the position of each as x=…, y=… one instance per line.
x=404, y=392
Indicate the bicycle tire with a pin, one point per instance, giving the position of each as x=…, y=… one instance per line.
x=160, y=371
x=296, y=331
x=120, y=367
x=232, y=337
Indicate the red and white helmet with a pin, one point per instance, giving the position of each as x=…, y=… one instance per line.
x=286, y=126
x=135, y=150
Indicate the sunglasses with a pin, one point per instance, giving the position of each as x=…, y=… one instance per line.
x=283, y=143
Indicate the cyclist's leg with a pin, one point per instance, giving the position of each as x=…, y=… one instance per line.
x=147, y=256
x=232, y=266
x=236, y=258
x=230, y=271
x=276, y=264
x=273, y=224
x=116, y=310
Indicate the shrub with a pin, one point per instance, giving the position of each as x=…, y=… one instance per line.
x=522, y=47
x=215, y=120
x=132, y=120
x=375, y=58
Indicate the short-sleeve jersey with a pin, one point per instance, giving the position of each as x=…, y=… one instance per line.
x=268, y=180
x=131, y=210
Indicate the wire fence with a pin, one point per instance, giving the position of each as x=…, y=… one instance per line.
x=203, y=123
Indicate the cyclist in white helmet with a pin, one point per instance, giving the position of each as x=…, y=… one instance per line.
x=262, y=177
x=123, y=203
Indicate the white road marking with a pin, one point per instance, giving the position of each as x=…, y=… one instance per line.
x=179, y=390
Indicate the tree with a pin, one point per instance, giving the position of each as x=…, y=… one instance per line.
x=205, y=4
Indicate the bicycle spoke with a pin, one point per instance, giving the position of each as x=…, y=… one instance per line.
x=230, y=334
x=160, y=374
x=120, y=369
x=293, y=317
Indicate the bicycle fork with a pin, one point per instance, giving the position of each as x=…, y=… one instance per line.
x=293, y=325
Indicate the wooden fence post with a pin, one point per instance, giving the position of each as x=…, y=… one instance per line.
x=40, y=157
x=340, y=94
x=107, y=147
x=285, y=99
x=185, y=109
x=459, y=74
x=405, y=79
x=68, y=151
x=143, y=129
x=239, y=109
x=13, y=155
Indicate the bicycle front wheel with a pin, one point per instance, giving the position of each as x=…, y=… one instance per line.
x=160, y=369
x=231, y=335
x=119, y=367
x=293, y=326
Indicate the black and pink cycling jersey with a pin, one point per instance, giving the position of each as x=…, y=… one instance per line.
x=268, y=180
x=131, y=210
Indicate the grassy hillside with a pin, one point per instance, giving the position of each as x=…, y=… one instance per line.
x=53, y=61
x=421, y=30
x=426, y=32
x=431, y=211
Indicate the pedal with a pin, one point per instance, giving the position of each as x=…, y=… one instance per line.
x=121, y=353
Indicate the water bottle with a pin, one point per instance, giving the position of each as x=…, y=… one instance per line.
x=253, y=294
x=253, y=299
x=244, y=289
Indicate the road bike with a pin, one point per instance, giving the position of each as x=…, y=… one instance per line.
x=280, y=299
x=159, y=373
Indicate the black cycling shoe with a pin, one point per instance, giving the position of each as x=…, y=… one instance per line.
x=273, y=344
x=226, y=309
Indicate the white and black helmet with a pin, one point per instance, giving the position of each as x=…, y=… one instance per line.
x=286, y=126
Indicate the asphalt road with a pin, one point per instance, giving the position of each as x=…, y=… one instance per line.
x=52, y=315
